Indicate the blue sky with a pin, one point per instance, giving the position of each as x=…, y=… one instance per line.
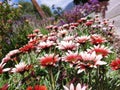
x=11, y=1
x=58, y=3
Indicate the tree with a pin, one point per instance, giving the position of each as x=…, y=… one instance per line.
x=27, y=7
x=47, y=10
x=76, y=2
x=39, y=9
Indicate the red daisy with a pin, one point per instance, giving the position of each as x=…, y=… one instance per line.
x=26, y=48
x=115, y=65
x=97, y=39
x=48, y=60
x=37, y=87
x=34, y=41
x=88, y=23
x=29, y=88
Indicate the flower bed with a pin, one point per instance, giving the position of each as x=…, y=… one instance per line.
x=75, y=56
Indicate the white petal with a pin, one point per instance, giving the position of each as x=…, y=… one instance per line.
x=71, y=86
x=65, y=88
x=80, y=71
x=78, y=87
x=93, y=55
x=101, y=63
x=98, y=57
x=6, y=69
x=2, y=65
x=84, y=88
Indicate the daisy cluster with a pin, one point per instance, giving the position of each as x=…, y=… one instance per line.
x=80, y=46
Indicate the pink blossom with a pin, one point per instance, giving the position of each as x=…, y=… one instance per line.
x=19, y=67
x=72, y=57
x=36, y=31
x=62, y=33
x=82, y=39
x=67, y=45
x=68, y=38
x=78, y=87
x=101, y=49
x=1, y=68
x=91, y=59
x=10, y=54
x=45, y=44
x=49, y=27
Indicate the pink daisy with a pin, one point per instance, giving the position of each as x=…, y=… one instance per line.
x=72, y=57
x=78, y=87
x=67, y=45
x=101, y=49
x=82, y=39
x=21, y=67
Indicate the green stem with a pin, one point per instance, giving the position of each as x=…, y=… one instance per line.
x=89, y=74
x=29, y=61
x=97, y=79
x=102, y=74
x=52, y=79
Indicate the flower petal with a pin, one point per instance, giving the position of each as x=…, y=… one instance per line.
x=78, y=87
x=71, y=86
x=65, y=88
x=101, y=63
x=80, y=71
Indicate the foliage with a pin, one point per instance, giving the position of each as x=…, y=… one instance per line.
x=8, y=15
x=31, y=14
x=47, y=10
x=57, y=11
x=14, y=28
x=77, y=2
x=29, y=10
